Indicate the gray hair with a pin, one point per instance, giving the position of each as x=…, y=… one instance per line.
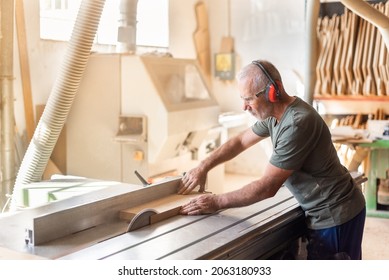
x=253, y=74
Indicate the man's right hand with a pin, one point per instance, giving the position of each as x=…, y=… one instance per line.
x=193, y=178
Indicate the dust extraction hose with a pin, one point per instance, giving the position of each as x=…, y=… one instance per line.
x=60, y=100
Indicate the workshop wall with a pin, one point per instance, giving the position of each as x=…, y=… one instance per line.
x=272, y=30
x=261, y=29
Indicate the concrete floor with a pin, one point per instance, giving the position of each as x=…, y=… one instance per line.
x=375, y=245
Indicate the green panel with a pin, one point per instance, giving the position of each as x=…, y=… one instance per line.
x=379, y=163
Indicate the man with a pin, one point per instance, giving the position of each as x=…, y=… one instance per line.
x=303, y=159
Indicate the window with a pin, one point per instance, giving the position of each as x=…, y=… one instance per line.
x=57, y=18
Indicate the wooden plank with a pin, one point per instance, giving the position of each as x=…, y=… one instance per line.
x=351, y=52
x=383, y=59
x=165, y=207
x=377, y=48
x=329, y=70
x=227, y=45
x=339, y=33
x=342, y=88
x=358, y=81
x=201, y=39
x=24, y=68
x=369, y=84
x=325, y=80
x=165, y=215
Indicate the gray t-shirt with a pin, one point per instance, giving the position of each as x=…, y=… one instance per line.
x=321, y=184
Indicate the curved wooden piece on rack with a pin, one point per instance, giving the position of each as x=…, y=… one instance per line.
x=364, y=10
x=351, y=50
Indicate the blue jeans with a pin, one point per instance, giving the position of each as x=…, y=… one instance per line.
x=339, y=242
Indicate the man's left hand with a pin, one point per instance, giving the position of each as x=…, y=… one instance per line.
x=204, y=204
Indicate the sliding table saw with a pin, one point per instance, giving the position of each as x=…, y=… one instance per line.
x=95, y=225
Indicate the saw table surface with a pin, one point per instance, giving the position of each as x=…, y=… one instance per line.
x=255, y=231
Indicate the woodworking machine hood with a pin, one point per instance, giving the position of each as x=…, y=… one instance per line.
x=174, y=96
x=134, y=111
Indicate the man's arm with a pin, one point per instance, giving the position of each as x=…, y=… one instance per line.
x=225, y=152
x=265, y=187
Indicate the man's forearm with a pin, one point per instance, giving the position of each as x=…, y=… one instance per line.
x=225, y=152
x=257, y=190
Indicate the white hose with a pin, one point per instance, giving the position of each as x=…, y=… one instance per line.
x=60, y=100
x=126, y=42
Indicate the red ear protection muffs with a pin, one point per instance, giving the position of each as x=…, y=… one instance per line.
x=272, y=93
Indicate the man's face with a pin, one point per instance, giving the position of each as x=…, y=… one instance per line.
x=254, y=102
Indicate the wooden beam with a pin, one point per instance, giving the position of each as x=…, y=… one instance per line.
x=24, y=68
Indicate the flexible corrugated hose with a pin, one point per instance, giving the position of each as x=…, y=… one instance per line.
x=60, y=100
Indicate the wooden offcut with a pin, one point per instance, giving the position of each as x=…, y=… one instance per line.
x=201, y=39
x=165, y=207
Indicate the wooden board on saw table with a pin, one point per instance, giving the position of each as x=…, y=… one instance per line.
x=165, y=207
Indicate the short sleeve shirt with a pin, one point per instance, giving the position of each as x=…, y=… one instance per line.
x=321, y=184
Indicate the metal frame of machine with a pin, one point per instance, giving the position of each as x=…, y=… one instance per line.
x=88, y=227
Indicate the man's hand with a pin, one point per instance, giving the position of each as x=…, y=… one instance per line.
x=204, y=204
x=192, y=179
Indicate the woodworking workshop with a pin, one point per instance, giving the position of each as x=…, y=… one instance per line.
x=194, y=130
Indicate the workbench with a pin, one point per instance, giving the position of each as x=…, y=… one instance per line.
x=87, y=227
x=377, y=153
x=376, y=168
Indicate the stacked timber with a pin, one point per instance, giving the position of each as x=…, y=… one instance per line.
x=353, y=58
